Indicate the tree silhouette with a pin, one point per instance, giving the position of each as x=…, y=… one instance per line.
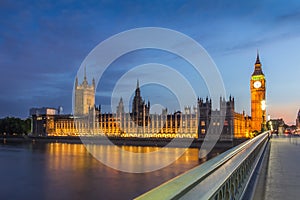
x=14, y=126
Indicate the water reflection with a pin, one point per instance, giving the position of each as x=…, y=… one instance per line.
x=63, y=156
x=68, y=171
x=135, y=159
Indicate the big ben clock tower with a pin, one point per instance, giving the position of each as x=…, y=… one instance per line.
x=258, y=97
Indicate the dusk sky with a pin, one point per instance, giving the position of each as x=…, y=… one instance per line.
x=43, y=43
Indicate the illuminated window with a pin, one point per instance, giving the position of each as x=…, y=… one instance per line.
x=202, y=123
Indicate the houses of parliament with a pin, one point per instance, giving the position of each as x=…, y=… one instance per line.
x=193, y=122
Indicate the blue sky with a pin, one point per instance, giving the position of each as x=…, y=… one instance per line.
x=43, y=43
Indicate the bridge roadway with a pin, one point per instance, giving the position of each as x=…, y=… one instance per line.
x=279, y=177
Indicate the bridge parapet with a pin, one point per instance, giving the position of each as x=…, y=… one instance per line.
x=226, y=176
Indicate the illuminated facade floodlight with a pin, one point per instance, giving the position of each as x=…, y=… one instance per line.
x=263, y=105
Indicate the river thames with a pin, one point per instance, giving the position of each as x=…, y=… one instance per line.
x=69, y=171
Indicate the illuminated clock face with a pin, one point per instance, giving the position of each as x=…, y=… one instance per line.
x=257, y=84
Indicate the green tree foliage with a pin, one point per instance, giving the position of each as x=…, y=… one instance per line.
x=12, y=125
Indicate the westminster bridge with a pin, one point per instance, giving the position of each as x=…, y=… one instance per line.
x=265, y=167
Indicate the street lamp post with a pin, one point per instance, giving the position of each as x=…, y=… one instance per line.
x=263, y=108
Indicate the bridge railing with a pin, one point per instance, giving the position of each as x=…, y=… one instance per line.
x=226, y=176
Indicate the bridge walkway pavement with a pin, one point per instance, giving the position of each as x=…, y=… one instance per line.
x=280, y=174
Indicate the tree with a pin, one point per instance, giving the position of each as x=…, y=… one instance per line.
x=12, y=125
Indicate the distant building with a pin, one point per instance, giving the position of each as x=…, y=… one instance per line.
x=43, y=111
x=49, y=124
x=39, y=123
x=276, y=125
x=298, y=120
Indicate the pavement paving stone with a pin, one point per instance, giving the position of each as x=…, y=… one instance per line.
x=283, y=173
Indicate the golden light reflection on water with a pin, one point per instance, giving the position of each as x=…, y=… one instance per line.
x=76, y=156
x=135, y=159
x=63, y=155
x=139, y=149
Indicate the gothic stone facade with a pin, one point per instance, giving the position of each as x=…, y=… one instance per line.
x=192, y=123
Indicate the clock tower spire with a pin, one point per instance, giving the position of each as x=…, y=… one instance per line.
x=257, y=66
x=257, y=58
x=258, y=97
